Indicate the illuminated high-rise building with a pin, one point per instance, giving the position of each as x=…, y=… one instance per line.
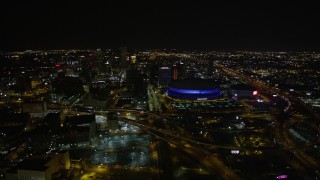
x=154, y=73
x=181, y=71
x=174, y=72
x=124, y=58
x=100, y=62
x=178, y=71
x=133, y=59
x=135, y=82
x=164, y=77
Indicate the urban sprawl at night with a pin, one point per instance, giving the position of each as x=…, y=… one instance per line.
x=122, y=113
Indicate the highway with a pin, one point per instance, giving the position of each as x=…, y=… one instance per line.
x=194, y=147
x=210, y=161
x=281, y=127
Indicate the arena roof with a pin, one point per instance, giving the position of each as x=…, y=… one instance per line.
x=194, y=89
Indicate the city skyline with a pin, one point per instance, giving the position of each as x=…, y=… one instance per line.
x=182, y=25
x=159, y=114
x=159, y=90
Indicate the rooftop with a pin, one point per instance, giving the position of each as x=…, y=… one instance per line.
x=33, y=165
x=244, y=87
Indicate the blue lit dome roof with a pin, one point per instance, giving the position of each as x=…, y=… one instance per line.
x=194, y=89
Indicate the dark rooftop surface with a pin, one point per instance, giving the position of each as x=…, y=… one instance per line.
x=77, y=120
x=33, y=164
x=242, y=87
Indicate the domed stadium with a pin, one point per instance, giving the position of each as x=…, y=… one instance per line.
x=194, y=89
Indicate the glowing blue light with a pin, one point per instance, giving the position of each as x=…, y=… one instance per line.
x=193, y=91
x=194, y=94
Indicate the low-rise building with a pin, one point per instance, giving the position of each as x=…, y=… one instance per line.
x=40, y=168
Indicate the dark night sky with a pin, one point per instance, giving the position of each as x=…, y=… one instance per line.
x=158, y=24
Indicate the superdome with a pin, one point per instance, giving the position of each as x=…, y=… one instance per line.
x=194, y=89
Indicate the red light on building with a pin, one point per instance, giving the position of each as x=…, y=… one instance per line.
x=91, y=55
x=57, y=65
x=255, y=93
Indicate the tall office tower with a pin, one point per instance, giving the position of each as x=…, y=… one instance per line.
x=108, y=67
x=114, y=62
x=164, y=77
x=86, y=69
x=210, y=68
x=154, y=73
x=181, y=71
x=133, y=59
x=100, y=62
x=124, y=58
x=174, y=72
x=136, y=83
